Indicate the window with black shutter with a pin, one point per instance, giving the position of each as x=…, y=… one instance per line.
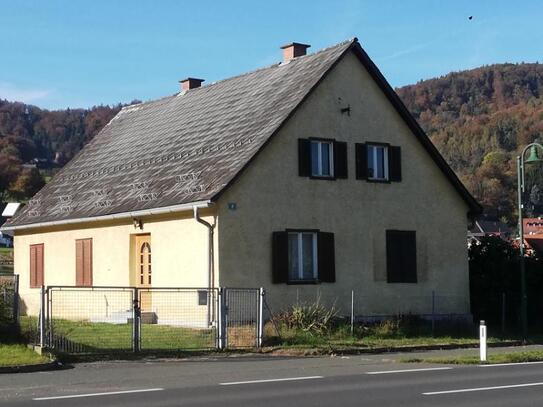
x=322, y=158
x=378, y=162
x=401, y=249
x=303, y=256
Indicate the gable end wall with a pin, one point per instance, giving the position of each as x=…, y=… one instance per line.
x=270, y=196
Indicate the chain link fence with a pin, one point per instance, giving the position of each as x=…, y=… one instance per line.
x=9, y=303
x=80, y=320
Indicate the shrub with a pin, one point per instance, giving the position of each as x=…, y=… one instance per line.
x=314, y=318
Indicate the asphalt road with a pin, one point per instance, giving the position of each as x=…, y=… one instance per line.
x=340, y=381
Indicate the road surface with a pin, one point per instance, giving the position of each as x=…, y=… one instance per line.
x=325, y=381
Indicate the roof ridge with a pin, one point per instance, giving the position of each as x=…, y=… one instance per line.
x=206, y=86
x=351, y=40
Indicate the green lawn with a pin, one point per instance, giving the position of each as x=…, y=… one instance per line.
x=84, y=336
x=513, y=357
x=17, y=355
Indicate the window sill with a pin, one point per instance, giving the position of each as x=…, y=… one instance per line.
x=323, y=177
x=378, y=181
x=301, y=282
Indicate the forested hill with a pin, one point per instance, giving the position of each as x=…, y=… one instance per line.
x=479, y=120
x=34, y=142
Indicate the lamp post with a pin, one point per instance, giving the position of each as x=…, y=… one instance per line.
x=533, y=158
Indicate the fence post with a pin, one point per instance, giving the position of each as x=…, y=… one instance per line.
x=260, y=316
x=42, y=317
x=16, y=300
x=136, y=321
x=223, y=309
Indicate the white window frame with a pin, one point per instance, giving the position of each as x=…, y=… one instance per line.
x=300, y=248
x=319, y=144
x=374, y=148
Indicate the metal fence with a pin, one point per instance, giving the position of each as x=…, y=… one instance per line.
x=9, y=303
x=127, y=319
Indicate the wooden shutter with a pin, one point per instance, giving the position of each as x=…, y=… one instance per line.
x=340, y=159
x=83, y=262
x=401, y=256
x=79, y=262
x=36, y=265
x=326, y=257
x=395, y=163
x=361, y=152
x=304, y=157
x=279, y=257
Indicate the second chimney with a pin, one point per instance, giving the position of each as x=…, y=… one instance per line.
x=293, y=50
x=190, y=83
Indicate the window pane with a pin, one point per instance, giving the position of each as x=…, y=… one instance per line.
x=325, y=156
x=293, y=256
x=371, y=163
x=307, y=252
x=314, y=158
x=380, y=164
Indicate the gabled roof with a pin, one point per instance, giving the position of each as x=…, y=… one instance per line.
x=189, y=147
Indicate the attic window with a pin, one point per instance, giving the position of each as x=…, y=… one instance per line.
x=322, y=158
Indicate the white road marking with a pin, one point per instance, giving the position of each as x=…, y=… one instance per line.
x=511, y=386
x=96, y=394
x=409, y=370
x=285, y=379
x=512, y=364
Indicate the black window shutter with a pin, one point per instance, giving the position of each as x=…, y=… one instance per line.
x=361, y=152
x=395, y=163
x=304, y=157
x=401, y=256
x=326, y=257
x=279, y=257
x=340, y=159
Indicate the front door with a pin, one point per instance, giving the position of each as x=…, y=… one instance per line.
x=144, y=269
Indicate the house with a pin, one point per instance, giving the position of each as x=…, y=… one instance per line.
x=533, y=234
x=6, y=211
x=483, y=227
x=308, y=178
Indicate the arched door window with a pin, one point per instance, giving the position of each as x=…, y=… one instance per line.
x=145, y=264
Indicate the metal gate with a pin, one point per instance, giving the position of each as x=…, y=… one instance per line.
x=242, y=316
x=177, y=319
x=129, y=319
x=88, y=319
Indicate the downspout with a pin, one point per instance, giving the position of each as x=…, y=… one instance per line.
x=210, y=261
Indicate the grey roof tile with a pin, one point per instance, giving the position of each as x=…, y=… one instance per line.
x=181, y=148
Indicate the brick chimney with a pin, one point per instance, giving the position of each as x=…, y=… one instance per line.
x=190, y=83
x=293, y=50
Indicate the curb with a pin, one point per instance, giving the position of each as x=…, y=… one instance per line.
x=358, y=351
x=40, y=367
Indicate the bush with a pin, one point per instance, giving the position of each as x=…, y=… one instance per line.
x=314, y=318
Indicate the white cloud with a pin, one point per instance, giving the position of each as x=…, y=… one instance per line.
x=14, y=93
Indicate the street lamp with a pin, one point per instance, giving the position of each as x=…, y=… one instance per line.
x=533, y=158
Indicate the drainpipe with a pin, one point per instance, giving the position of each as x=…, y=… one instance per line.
x=210, y=260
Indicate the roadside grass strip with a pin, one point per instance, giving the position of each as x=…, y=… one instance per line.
x=512, y=364
x=284, y=379
x=429, y=369
x=501, y=359
x=110, y=393
x=510, y=386
x=19, y=355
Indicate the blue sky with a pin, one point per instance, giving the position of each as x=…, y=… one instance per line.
x=58, y=54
